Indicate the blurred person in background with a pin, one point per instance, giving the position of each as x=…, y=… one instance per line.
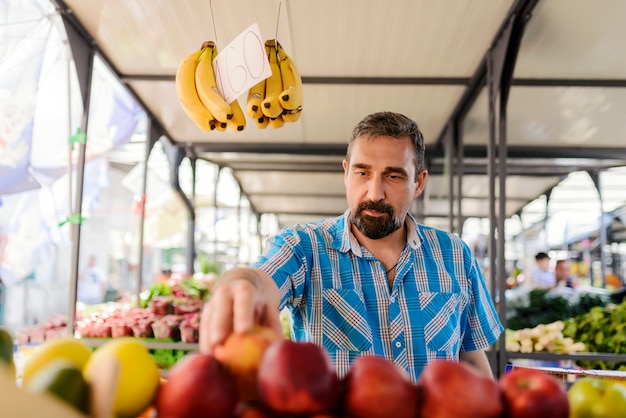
x=563, y=274
x=543, y=277
x=92, y=283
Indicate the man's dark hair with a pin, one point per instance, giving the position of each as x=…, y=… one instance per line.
x=541, y=256
x=394, y=125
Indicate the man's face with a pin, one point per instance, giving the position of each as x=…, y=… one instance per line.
x=562, y=270
x=381, y=184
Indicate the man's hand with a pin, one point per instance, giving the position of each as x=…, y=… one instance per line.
x=242, y=299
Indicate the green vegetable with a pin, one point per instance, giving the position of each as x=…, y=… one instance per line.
x=603, y=330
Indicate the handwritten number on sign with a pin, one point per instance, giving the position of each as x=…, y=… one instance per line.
x=242, y=64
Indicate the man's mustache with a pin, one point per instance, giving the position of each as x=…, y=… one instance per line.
x=377, y=206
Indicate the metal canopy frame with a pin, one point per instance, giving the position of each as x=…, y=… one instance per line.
x=449, y=156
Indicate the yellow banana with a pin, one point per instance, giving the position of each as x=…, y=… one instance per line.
x=187, y=94
x=238, y=122
x=262, y=122
x=278, y=122
x=291, y=96
x=291, y=115
x=273, y=84
x=256, y=94
x=207, y=86
x=219, y=126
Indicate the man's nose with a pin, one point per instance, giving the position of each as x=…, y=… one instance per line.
x=375, y=190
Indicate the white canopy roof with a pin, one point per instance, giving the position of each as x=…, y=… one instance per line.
x=423, y=58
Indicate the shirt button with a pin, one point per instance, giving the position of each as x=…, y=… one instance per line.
x=393, y=299
x=398, y=344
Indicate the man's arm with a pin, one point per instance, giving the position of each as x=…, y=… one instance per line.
x=478, y=360
x=242, y=298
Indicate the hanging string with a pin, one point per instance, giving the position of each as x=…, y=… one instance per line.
x=280, y=3
x=213, y=21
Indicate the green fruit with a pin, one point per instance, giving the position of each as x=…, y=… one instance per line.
x=597, y=398
x=64, y=380
x=6, y=350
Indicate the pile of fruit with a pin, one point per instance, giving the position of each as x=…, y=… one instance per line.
x=261, y=374
x=169, y=311
x=273, y=101
x=118, y=379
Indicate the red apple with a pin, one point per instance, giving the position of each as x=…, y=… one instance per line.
x=455, y=390
x=249, y=411
x=241, y=353
x=376, y=388
x=197, y=385
x=297, y=378
x=530, y=393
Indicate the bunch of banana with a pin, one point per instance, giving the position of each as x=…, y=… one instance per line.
x=198, y=94
x=278, y=98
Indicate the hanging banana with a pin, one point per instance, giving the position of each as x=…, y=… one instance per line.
x=278, y=98
x=291, y=96
x=207, y=86
x=238, y=121
x=262, y=122
x=255, y=98
x=273, y=84
x=187, y=94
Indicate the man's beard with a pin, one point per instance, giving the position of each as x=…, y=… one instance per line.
x=375, y=227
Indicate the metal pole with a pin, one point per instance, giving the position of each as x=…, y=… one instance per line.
x=84, y=54
x=151, y=138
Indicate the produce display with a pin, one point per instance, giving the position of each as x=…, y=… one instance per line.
x=261, y=374
x=602, y=330
x=272, y=101
x=169, y=311
x=531, y=307
x=542, y=338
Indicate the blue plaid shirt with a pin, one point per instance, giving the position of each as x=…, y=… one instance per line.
x=339, y=297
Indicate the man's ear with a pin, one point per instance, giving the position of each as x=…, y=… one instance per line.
x=421, y=182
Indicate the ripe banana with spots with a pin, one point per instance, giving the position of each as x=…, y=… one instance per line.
x=255, y=98
x=187, y=94
x=278, y=98
x=273, y=84
x=291, y=96
x=207, y=86
x=199, y=96
x=238, y=120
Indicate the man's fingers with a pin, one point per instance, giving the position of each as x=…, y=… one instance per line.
x=244, y=306
x=217, y=320
x=271, y=319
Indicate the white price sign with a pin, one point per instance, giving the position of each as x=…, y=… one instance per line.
x=242, y=64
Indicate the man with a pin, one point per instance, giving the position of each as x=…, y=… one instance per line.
x=563, y=274
x=542, y=277
x=372, y=281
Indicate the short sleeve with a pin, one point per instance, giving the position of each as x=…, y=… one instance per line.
x=483, y=325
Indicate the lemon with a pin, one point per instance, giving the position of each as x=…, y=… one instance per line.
x=69, y=348
x=138, y=376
